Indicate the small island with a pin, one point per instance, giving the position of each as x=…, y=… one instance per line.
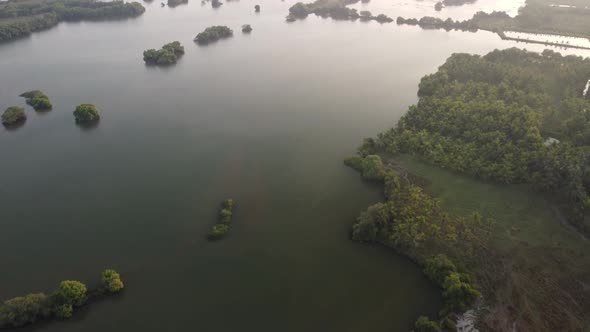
x=246, y=28
x=335, y=9
x=38, y=100
x=13, y=115
x=221, y=228
x=257, y=8
x=60, y=304
x=165, y=56
x=86, y=114
x=174, y=3
x=213, y=33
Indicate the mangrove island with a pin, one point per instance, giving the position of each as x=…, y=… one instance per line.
x=221, y=228
x=213, y=33
x=38, y=100
x=13, y=115
x=167, y=55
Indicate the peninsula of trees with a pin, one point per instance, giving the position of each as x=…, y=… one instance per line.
x=13, y=115
x=167, y=55
x=38, y=100
x=335, y=9
x=21, y=18
x=61, y=303
x=221, y=228
x=213, y=33
x=537, y=16
x=509, y=117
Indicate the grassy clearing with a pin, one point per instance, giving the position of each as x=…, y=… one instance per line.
x=537, y=277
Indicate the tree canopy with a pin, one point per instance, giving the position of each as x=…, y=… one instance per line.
x=86, y=113
x=213, y=33
x=167, y=55
x=21, y=18
x=38, y=100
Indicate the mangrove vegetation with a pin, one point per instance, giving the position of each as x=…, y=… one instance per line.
x=21, y=18
x=61, y=303
x=213, y=33
x=221, y=228
x=86, y=114
x=335, y=9
x=509, y=117
x=13, y=115
x=38, y=100
x=165, y=56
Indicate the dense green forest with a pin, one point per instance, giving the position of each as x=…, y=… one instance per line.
x=21, y=18
x=537, y=16
x=494, y=117
x=509, y=117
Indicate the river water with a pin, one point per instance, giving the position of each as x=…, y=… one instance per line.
x=264, y=118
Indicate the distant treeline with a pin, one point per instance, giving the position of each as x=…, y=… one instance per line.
x=537, y=16
x=335, y=9
x=21, y=18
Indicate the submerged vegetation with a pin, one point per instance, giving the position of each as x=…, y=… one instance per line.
x=213, y=33
x=38, y=100
x=335, y=9
x=60, y=304
x=489, y=117
x=167, y=55
x=223, y=225
x=21, y=18
x=86, y=114
x=13, y=115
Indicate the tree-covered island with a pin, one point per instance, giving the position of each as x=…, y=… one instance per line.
x=38, y=100
x=335, y=9
x=213, y=33
x=221, y=228
x=60, y=304
x=19, y=18
x=13, y=115
x=509, y=117
x=86, y=114
x=167, y=55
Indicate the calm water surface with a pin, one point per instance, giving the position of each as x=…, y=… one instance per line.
x=264, y=118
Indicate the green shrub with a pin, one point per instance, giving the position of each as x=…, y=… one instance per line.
x=70, y=292
x=225, y=216
x=64, y=311
x=423, y=324
x=438, y=267
x=218, y=231
x=111, y=281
